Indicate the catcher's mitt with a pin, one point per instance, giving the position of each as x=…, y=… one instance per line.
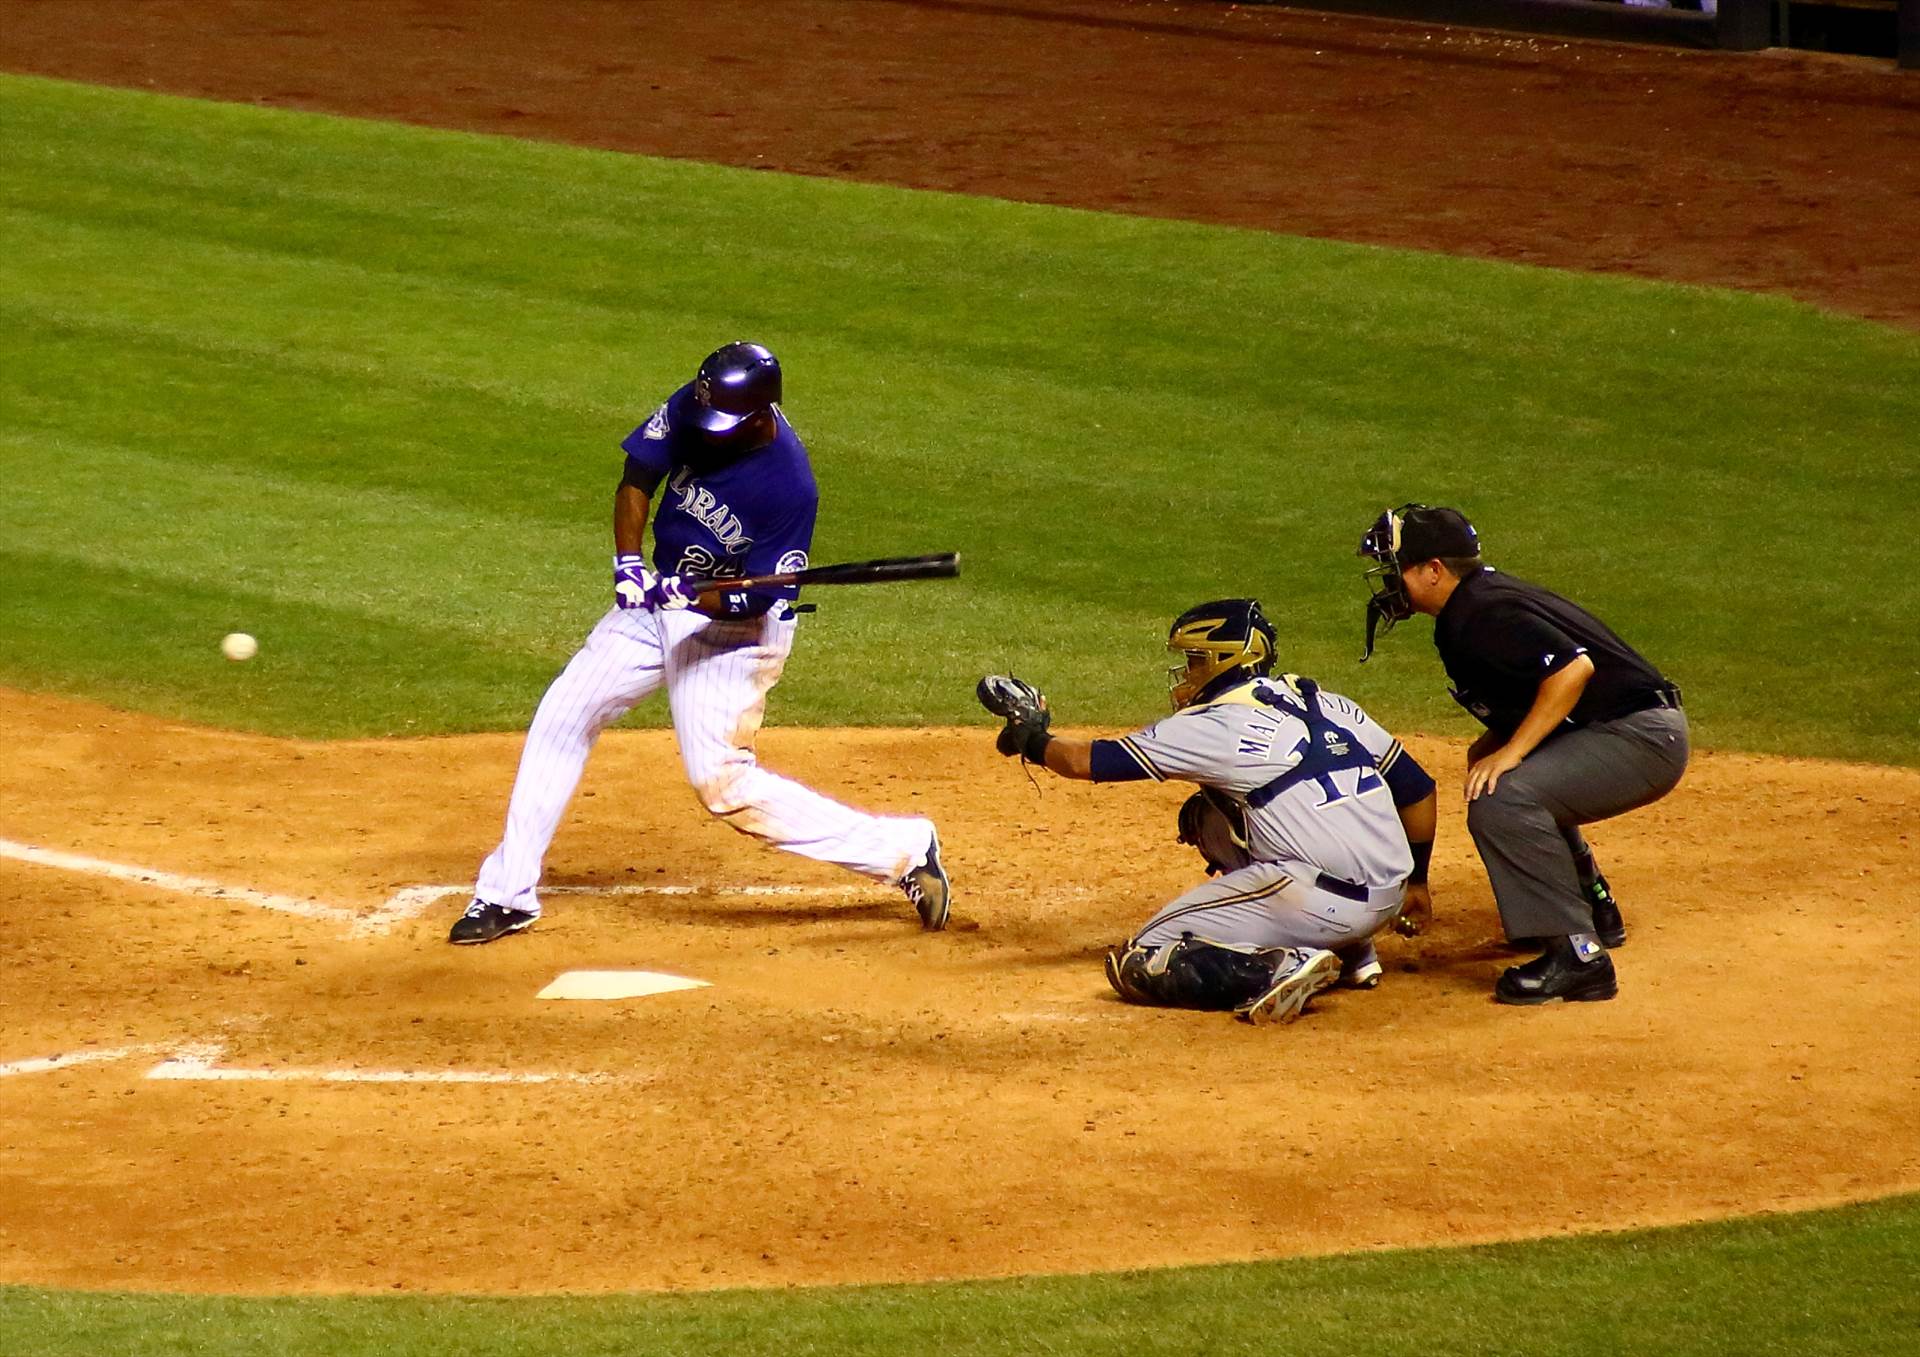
x=1215, y=824
x=1024, y=708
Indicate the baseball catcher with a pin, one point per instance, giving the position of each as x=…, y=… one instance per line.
x=1315, y=824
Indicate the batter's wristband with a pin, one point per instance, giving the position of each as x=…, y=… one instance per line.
x=1422, y=857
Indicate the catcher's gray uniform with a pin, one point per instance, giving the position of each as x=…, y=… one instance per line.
x=1301, y=820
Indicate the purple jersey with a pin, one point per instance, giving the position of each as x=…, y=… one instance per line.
x=715, y=518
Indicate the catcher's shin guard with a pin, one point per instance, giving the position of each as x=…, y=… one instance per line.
x=1192, y=973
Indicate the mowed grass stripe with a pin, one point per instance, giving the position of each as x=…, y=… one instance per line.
x=324, y=667
x=1835, y=1282
x=360, y=543
x=1111, y=418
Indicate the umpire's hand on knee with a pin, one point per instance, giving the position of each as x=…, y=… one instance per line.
x=1485, y=775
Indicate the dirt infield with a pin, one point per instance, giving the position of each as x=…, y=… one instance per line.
x=855, y=1100
x=1782, y=172
x=851, y=1099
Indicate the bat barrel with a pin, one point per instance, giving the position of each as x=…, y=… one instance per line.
x=886, y=570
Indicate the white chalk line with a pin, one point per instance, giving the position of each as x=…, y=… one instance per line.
x=169, y=881
x=200, y=1061
x=47, y=1064
x=400, y=907
x=413, y=901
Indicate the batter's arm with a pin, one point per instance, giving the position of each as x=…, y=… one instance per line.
x=631, y=505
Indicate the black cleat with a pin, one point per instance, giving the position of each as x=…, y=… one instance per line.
x=927, y=886
x=484, y=922
x=1118, y=961
x=1303, y=974
x=1560, y=972
x=1606, y=914
x=1360, y=967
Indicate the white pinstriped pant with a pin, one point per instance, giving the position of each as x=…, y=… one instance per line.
x=717, y=674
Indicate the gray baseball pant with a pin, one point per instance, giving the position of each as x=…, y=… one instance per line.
x=1267, y=904
x=1527, y=829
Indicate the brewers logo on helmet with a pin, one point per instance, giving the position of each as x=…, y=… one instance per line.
x=1229, y=636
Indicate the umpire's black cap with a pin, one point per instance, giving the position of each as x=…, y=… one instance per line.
x=1421, y=532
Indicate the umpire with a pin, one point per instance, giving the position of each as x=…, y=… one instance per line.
x=1579, y=727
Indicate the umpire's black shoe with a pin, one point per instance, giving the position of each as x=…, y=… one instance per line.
x=1575, y=969
x=484, y=922
x=1606, y=914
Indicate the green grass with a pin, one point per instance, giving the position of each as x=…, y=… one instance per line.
x=358, y=388
x=1838, y=1282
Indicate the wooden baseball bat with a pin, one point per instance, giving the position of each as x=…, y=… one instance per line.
x=886, y=570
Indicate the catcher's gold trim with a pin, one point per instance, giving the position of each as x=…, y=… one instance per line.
x=1246, y=897
x=1241, y=695
x=1139, y=756
x=1206, y=658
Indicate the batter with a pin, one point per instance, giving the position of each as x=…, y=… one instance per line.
x=1316, y=824
x=735, y=496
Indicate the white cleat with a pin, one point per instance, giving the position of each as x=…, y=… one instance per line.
x=1292, y=986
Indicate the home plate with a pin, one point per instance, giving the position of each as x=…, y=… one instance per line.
x=616, y=985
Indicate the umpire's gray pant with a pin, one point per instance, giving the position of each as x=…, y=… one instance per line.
x=1527, y=829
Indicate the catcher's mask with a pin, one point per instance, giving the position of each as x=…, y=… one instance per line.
x=1227, y=641
x=1407, y=536
x=737, y=382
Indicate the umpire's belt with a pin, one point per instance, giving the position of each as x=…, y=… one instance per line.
x=1668, y=697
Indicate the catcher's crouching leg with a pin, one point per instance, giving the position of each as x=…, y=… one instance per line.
x=1192, y=973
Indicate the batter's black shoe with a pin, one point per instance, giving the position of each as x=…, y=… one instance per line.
x=484, y=922
x=1606, y=914
x=927, y=886
x=1575, y=969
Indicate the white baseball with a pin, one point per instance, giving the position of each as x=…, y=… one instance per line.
x=237, y=645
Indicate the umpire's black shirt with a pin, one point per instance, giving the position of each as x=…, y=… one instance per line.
x=1499, y=637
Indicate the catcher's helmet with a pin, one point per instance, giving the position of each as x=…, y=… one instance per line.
x=737, y=382
x=1220, y=643
x=1407, y=536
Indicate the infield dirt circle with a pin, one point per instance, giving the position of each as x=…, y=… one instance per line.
x=851, y=1099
